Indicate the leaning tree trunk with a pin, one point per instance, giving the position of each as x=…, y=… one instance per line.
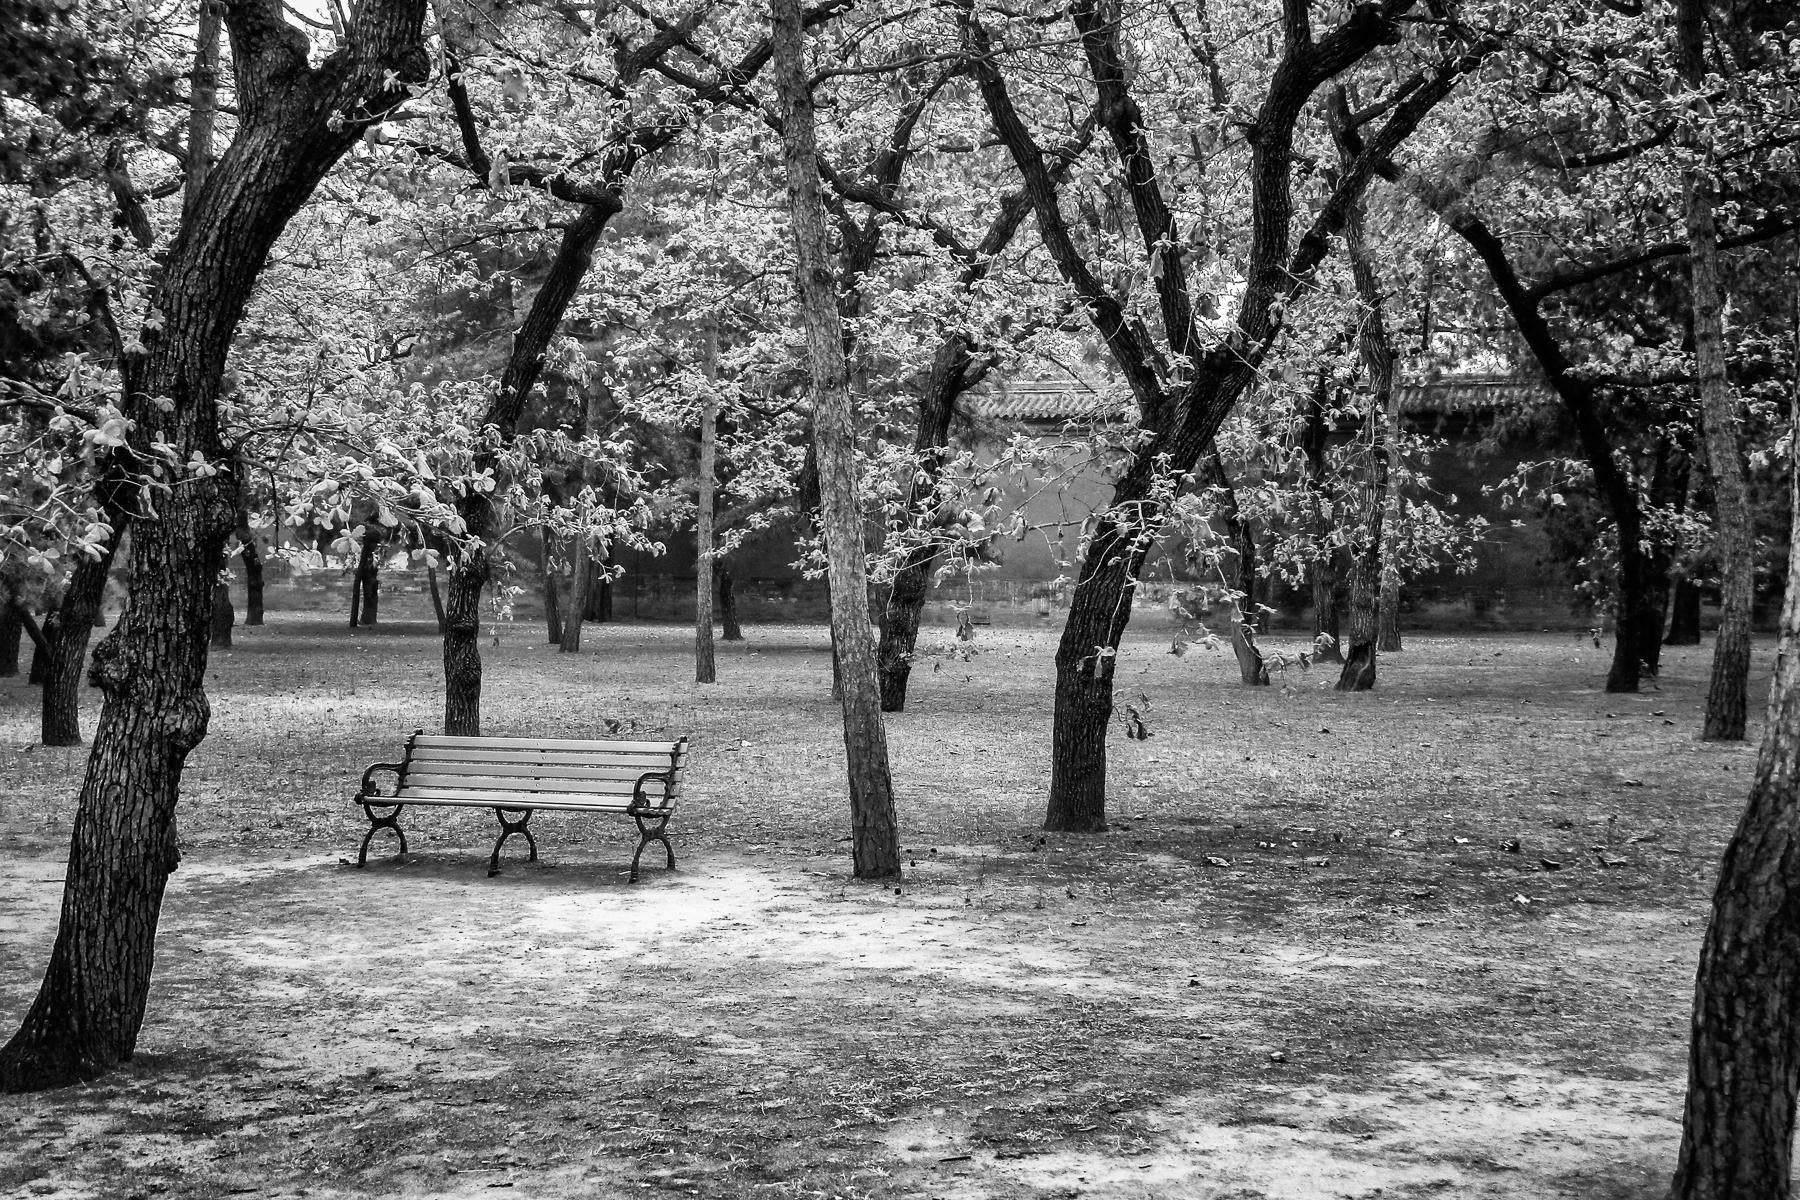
x=906, y=594
x=292, y=126
x=67, y=638
x=875, y=839
x=1744, y=1061
x=1727, y=695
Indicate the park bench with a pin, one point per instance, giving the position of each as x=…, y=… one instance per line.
x=519, y=776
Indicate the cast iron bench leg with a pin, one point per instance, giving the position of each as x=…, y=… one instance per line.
x=389, y=821
x=507, y=829
x=646, y=835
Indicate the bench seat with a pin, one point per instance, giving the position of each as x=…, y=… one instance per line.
x=639, y=779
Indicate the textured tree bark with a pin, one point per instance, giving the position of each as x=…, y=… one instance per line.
x=580, y=575
x=291, y=128
x=705, y=669
x=600, y=588
x=1743, y=1061
x=1735, y=540
x=1377, y=355
x=67, y=638
x=728, y=608
x=875, y=845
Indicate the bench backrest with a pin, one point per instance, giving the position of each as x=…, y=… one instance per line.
x=562, y=766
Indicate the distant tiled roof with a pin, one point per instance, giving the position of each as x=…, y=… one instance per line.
x=1044, y=400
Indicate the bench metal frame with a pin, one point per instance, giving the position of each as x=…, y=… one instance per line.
x=651, y=816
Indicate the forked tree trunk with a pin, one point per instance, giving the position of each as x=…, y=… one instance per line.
x=728, y=608
x=292, y=126
x=875, y=843
x=1727, y=694
x=68, y=641
x=1743, y=1061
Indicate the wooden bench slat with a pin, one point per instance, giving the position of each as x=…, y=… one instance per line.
x=438, y=740
x=643, y=762
x=433, y=781
x=496, y=799
x=433, y=766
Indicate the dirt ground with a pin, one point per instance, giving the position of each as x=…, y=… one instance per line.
x=1304, y=964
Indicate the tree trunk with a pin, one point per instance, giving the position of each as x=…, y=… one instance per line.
x=600, y=591
x=704, y=670
x=1322, y=572
x=368, y=576
x=437, y=595
x=462, y=649
x=553, y=622
x=1242, y=578
x=253, y=582
x=875, y=845
x=40, y=650
x=1377, y=355
x=1684, y=613
x=1743, y=1061
x=223, y=616
x=1727, y=696
x=728, y=608
x=906, y=595
x=11, y=638
x=1387, y=623
x=579, y=576
x=81, y=601
x=292, y=126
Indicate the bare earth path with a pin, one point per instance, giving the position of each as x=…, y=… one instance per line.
x=1304, y=965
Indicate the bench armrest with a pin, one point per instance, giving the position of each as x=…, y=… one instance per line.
x=369, y=790
x=639, y=802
